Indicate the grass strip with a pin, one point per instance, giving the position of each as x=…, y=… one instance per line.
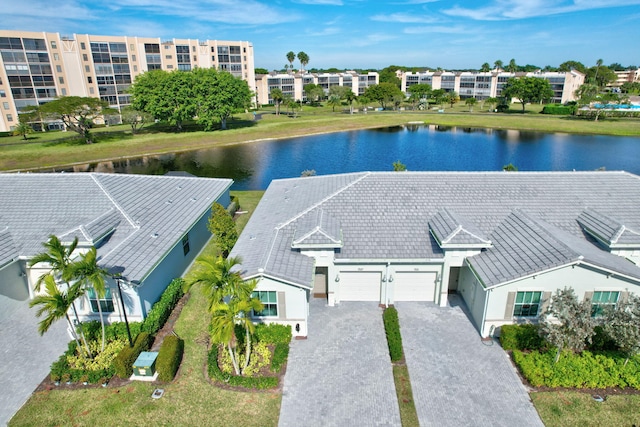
x=408, y=414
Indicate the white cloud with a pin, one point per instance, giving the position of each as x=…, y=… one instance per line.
x=522, y=9
x=372, y=39
x=406, y=18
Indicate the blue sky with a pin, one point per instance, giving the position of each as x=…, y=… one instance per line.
x=349, y=34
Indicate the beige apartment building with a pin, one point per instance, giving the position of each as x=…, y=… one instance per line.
x=625, y=76
x=292, y=84
x=36, y=67
x=483, y=85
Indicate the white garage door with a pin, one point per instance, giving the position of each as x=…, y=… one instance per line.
x=359, y=286
x=414, y=286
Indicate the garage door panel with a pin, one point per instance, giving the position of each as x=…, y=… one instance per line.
x=414, y=286
x=359, y=286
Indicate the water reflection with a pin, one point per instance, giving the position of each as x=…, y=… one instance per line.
x=432, y=147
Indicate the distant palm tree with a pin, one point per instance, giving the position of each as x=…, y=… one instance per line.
x=89, y=273
x=58, y=257
x=485, y=68
x=350, y=97
x=334, y=100
x=277, y=96
x=498, y=65
x=304, y=60
x=512, y=67
x=55, y=305
x=291, y=57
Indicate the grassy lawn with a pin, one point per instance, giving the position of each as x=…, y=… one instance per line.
x=408, y=415
x=118, y=144
x=569, y=409
x=189, y=400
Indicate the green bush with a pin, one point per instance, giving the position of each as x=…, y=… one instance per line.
x=601, y=341
x=169, y=358
x=233, y=206
x=273, y=333
x=584, y=370
x=215, y=373
x=116, y=330
x=280, y=355
x=559, y=109
x=161, y=310
x=521, y=337
x=123, y=363
x=392, y=329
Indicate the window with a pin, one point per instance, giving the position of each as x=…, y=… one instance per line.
x=64, y=92
x=9, y=118
x=601, y=300
x=3, y=94
x=270, y=301
x=527, y=304
x=87, y=69
x=53, y=45
x=56, y=57
x=133, y=58
x=85, y=57
x=92, y=90
x=106, y=303
x=61, y=80
x=185, y=244
x=132, y=48
x=58, y=68
x=5, y=105
x=83, y=46
x=89, y=79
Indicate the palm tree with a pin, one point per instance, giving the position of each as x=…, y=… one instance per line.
x=304, y=60
x=58, y=257
x=277, y=96
x=55, y=304
x=89, y=273
x=599, y=63
x=485, y=68
x=334, y=100
x=349, y=96
x=23, y=129
x=498, y=65
x=470, y=102
x=216, y=276
x=512, y=67
x=291, y=57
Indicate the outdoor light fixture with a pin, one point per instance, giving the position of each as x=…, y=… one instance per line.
x=391, y=278
x=384, y=278
x=297, y=327
x=338, y=277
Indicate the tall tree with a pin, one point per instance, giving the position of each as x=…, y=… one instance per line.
x=567, y=322
x=218, y=277
x=223, y=228
x=601, y=75
x=598, y=102
x=421, y=90
x=452, y=98
x=350, y=97
x=135, y=118
x=77, y=113
x=313, y=92
x=383, y=93
x=88, y=273
x=291, y=57
x=572, y=65
x=304, y=60
x=334, y=101
x=470, y=102
x=485, y=68
x=218, y=95
x=277, y=96
x=498, y=65
x=527, y=89
x=512, y=67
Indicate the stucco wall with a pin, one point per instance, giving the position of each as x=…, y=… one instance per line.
x=12, y=282
x=296, y=306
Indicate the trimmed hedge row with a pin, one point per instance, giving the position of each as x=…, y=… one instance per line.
x=169, y=358
x=559, y=109
x=392, y=329
x=280, y=355
x=161, y=310
x=521, y=337
x=260, y=383
x=273, y=333
x=123, y=363
x=584, y=370
x=116, y=330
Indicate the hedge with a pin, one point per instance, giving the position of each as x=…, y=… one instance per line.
x=584, y=370
x=161, y=310
x=392, y=329
x=215, y=373
x=273, y=333
x=521, y=337
x=559, y=109
x=169, y=358
x=280, y=355
x=93, y=330
x=123, y=363
x=61, y=367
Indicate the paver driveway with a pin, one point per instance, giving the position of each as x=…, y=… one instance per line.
x=458, y=380
x=341, y=375
x=25, y=356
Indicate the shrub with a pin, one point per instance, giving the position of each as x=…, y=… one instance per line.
x=392, y=329
x=234, y=206
x=601, y=341
x=559, y=109
x=169, y=358
x=273, y=333
x=521, y=337
x=248, y=382
x=280, y=355
x=161, y=310
x=123, y=363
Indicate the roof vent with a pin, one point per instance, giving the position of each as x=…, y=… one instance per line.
x=154, y=236
x=193, y=199
x=252, y=237
x=169, y=201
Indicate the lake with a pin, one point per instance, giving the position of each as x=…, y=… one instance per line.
x=421, y=148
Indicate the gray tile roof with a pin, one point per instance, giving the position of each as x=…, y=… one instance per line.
x=8, y=250
x=452, y=229
x=608, y=229
x=317, y=229
x=387, y=216
x=146, y=215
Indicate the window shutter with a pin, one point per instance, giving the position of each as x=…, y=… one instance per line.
x=588, y=296
x=546, y=300
x=508, y=312
x=282, y=306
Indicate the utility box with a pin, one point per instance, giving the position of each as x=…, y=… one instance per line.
x=145, y=364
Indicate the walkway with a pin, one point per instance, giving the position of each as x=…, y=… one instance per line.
x=25, y=356
x=458, y=380
x=341, y=375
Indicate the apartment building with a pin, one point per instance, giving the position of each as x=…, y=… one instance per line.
x=36, y=67
x=292, y=84
x=625, y=76
x=483, y=85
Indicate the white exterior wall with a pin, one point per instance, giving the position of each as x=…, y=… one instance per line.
x=296, y=305
x=473, y=294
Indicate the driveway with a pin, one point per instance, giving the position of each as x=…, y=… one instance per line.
x=25, y=356
x=341, y=375
x=458, y=380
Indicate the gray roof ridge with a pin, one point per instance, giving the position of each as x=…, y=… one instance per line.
x=461, y=227
x=540, y=224
x=115, y=203
x=321, y=202
x=81, y=229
